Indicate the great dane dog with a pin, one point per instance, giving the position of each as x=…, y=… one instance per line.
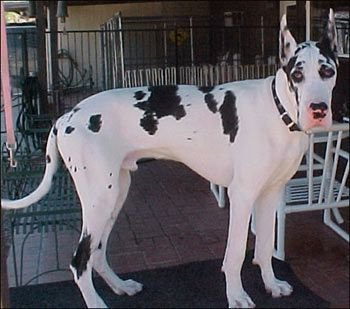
x=248, y=136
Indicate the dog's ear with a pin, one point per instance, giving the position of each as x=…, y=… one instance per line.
x=287, y=42
x=328, y=42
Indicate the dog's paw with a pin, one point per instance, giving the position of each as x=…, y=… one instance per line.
x=129, y=287
x=279, y=288
x=241, y=300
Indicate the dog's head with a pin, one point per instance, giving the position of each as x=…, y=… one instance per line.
x=311, y=69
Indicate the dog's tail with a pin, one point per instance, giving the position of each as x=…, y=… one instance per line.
x=52, y=162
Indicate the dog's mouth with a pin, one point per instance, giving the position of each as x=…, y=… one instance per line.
x=317, y=119
x=319, y=115
x=316, y=114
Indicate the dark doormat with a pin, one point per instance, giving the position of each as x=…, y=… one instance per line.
x=193, y=285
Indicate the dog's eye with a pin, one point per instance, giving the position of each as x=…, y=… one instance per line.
x=326, y=72
x=297, y=76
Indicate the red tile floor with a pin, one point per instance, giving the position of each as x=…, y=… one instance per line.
x=170, y=218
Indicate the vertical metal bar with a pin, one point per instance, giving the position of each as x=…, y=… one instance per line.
x=16, y=57
x=39, y=256
x=108, y=69
x=48, y=36
x=15, y=268
x=114, y=53
x=25, y=54
x=176, y=56
x=88, y=34
x=111, y=50
x=96, y=63
x=42, y=57
x=143, y=47
x=334, y=169
x=165, y=45
x=310, y=164
x=191, y=41
x=308, y=21
x=121, y=47
x=103, y=51
x=262, y=37
x=325, y=173
x=83, y=77
x=344, y=179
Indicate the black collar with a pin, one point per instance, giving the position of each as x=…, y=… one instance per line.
x=292, y=126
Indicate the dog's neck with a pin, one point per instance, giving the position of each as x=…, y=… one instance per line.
x=286, y=95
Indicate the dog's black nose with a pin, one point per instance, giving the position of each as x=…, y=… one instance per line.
x=319, y=106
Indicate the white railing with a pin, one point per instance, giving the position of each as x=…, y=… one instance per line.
x=323, y=186
x=202, y=75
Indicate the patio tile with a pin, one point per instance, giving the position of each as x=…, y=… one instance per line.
x=170, y=217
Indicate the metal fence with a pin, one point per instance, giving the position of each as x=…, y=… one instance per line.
x=130, y=44
x=203, y=75
x=22, y=54
x=130, y=51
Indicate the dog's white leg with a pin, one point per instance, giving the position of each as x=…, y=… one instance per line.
x=119, y=286
x=82, y=272
x=98, y=189
x=265, y=214
x=241, y=204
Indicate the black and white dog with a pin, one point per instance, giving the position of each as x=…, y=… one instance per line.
x=248, y=136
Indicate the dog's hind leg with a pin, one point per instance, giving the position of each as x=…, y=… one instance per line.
x=265, y=217
x=119, y=286
x=101, y=196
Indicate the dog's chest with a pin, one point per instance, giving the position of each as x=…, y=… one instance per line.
x=287, y=159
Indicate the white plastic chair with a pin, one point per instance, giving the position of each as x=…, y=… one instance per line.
x=321, y=182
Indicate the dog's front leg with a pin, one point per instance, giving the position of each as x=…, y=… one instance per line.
x=241, y=204
x=265, y=215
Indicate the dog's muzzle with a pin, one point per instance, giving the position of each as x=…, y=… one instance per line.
x=319, y=110
x=318, y=115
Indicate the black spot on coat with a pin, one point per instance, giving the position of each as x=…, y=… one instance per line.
x=48, y=159
x=69, y=130
x=301, y=47
x=288, y=68
x=206, y=89
x=209, y=98
x=162, y=102
x=150, y=123
x=139, y=95
x=95, y=123
x=290, y=65
x=54, y=130
x=211, y=102
x=229, y=116
x=82, y=255
x=325, y=49
x=75, y=109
